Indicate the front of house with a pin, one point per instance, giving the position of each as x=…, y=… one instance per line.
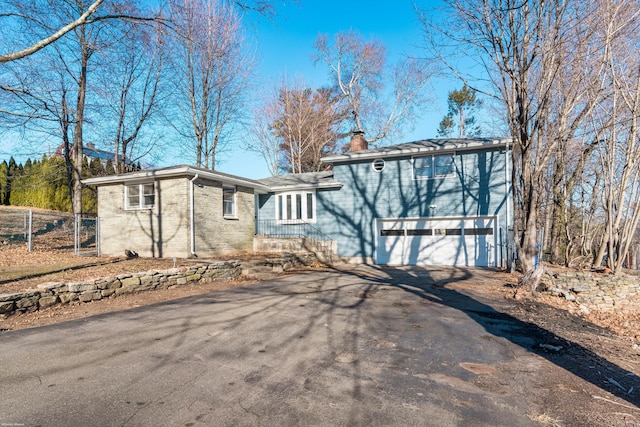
x=430, y=202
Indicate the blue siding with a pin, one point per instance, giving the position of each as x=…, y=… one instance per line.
x=347, y=214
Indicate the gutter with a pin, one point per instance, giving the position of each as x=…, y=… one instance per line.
x=192, y=216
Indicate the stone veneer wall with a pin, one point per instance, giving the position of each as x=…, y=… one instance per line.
x=595, y=291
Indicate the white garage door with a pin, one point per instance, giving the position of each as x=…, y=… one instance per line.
x=444, y=241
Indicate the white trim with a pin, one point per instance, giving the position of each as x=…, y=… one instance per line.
x=176, y=172
x=234, y=214
x=294, y=207
x=306, y=187
x=433, y=166
x=140, y=206
x=404, y=150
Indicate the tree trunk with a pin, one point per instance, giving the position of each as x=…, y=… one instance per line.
x=77, y=133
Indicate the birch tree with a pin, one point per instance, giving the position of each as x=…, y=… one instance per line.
x=81, y=18
x=360, y=74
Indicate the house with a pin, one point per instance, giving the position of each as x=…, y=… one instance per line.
x=90, y=152
x=178, y=211
x=429, y=202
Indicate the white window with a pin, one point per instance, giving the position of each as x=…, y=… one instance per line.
x=229, y=202
x=433, y=166
x=293, y=207
x=139, y=196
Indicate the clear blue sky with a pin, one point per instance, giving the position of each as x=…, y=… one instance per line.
x=286, y=43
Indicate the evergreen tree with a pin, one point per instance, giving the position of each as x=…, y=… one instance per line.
x=463, y=104
x=4, y=176
x=109, y=169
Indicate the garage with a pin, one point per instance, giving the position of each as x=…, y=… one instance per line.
x=460, y=241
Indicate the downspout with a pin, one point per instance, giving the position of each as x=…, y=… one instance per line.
x=507, y=194
x=192, y=216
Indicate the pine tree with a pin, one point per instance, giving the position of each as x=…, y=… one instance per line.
x=463, y=104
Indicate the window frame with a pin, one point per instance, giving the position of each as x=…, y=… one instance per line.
x=234, y=202
x=292, y=207
x=432, y=166
x=141, y=196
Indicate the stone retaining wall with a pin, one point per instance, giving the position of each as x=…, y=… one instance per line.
x=596, y=291
x=48, y=294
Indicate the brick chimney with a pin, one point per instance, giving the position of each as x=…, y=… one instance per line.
x=358, y=143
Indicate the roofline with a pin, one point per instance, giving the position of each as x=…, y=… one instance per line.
x=403, y=152
x=295, y=187
x=177, y=171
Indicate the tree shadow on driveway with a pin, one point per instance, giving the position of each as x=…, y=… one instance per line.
x=564, y=353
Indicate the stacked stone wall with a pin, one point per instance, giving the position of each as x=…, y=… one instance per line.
x=596, y=291
x=48, y=294
x=52, y=293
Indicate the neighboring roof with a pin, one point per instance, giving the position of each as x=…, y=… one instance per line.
x=301, y=181
x=97, y=153
x=89, y=150
x=174, y=172
x=420, y=147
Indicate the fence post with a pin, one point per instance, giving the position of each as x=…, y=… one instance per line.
x=76, y=234
x=30, y=242
x=98, y=251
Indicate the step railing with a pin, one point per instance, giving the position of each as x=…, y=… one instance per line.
x=289, y=230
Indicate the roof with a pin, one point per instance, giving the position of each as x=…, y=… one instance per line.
x=89, y=150
x=422, y=146
x=176, y=172
x=301, y=181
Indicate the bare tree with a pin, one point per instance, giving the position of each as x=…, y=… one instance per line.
x=295, y=126
x=83, y=17
x=132, y=89
x=619, y=155
x=50, y=91
x=212, y=68
x=360, y=71
x=264, y=141
x=545, y=61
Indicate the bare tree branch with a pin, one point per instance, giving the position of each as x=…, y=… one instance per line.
x=12, y=56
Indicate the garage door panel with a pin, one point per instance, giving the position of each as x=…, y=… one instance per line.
x=423, y=241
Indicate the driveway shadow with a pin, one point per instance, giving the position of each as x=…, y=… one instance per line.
x=569, y=355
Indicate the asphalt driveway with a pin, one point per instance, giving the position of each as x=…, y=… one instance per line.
x=365, y=346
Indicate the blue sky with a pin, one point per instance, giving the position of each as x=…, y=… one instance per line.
x=286, y=43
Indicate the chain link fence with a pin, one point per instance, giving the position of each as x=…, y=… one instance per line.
x=47, y=230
